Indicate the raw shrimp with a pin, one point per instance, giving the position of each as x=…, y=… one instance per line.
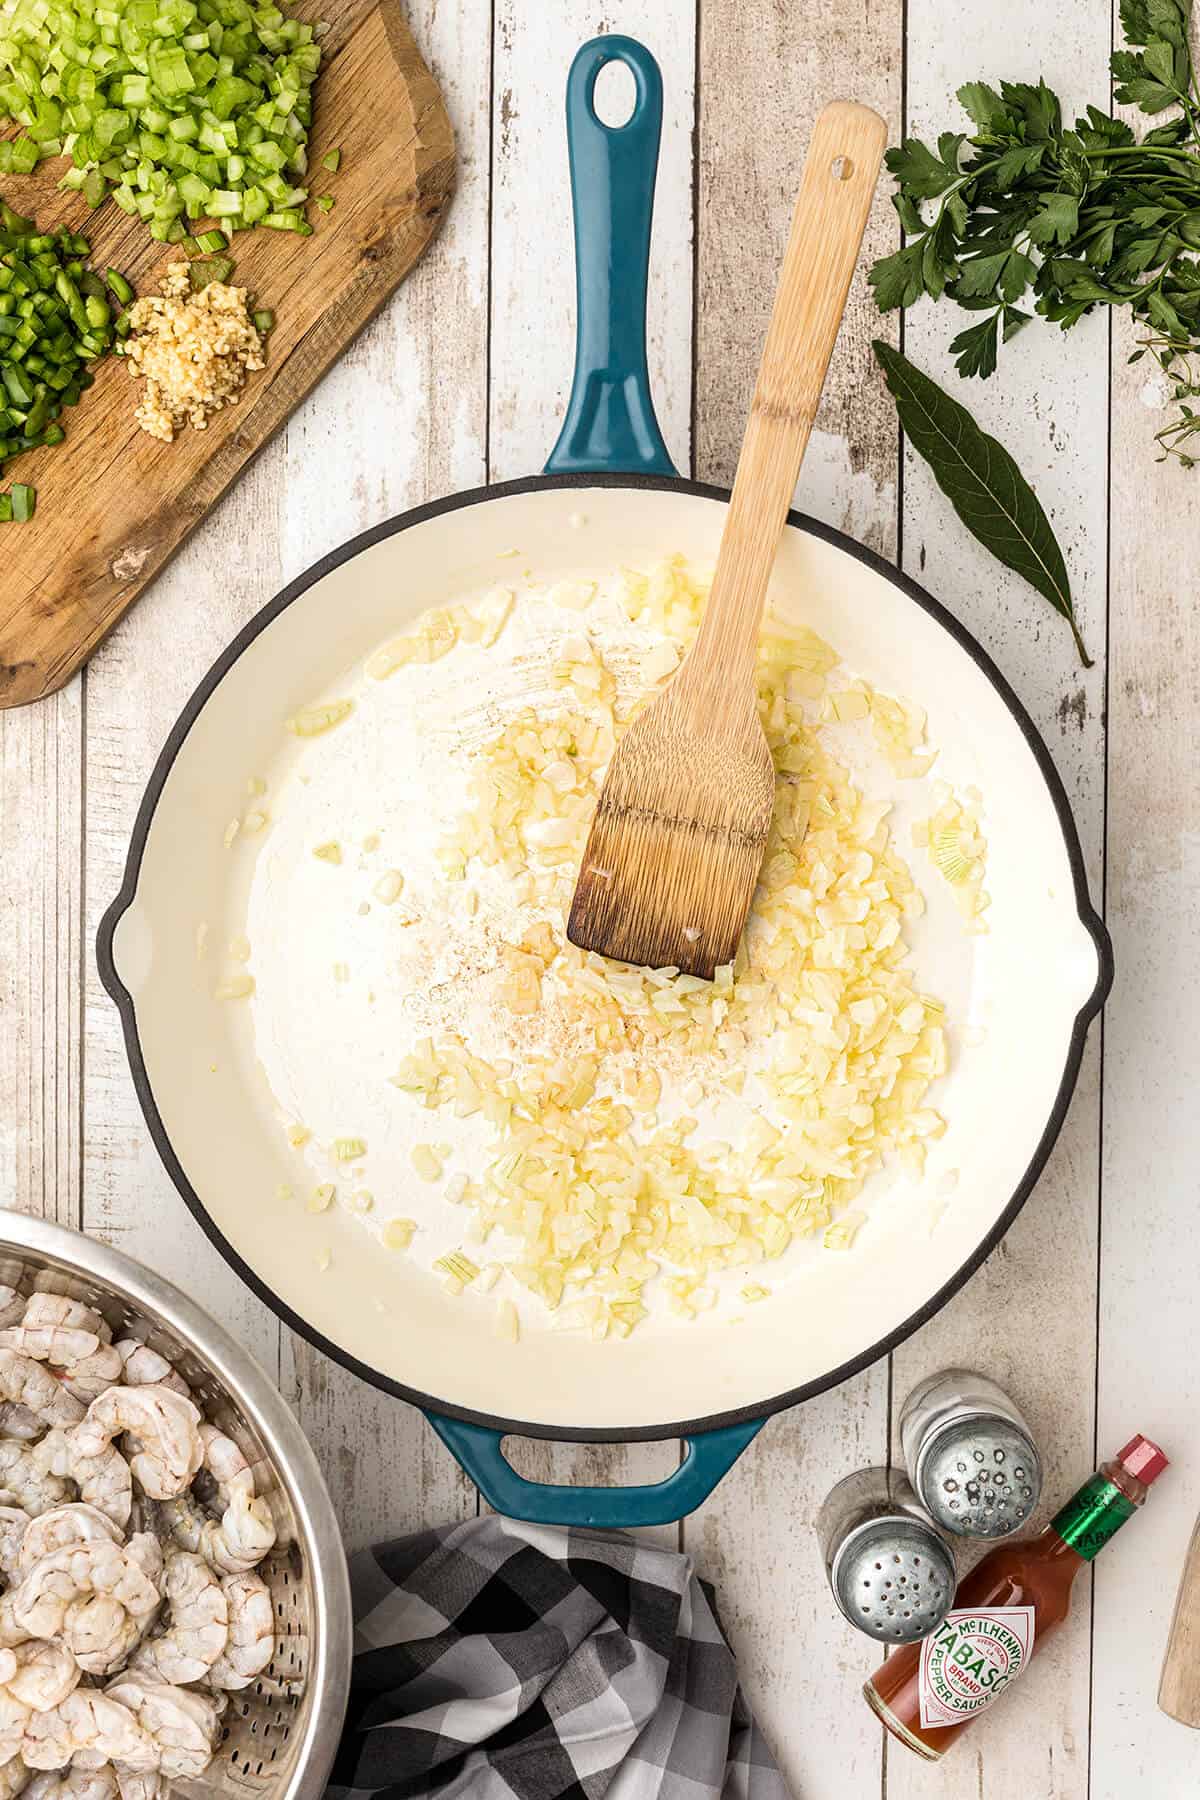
x=43, y=1674
x=96, y=1596
x=26, y=1481
x=14, y=1521
x=25, y=1382
x=74, y=1523
x=184, y=1726
x=47, y=1309
x=73, y=1339
x=104, y=1481
x=93, y=1375
x=144, y=1367
x=146, y=1551
x=14, y=1779
x=59, y=1344
x=74, y=1784
x=251, y=1632
x=91, y=1727
x=236, y=1542
x=13, y=1719
x=12, y=1305
x=162, y=1426
x=198, y=1624
x=225, y=1461
x=138, y=1784
x=17, y=1421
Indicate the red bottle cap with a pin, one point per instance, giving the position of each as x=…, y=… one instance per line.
x=1143, y=1459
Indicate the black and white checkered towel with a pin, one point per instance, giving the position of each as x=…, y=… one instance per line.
x=519, y=1662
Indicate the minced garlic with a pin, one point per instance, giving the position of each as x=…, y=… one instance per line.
x=194, y=350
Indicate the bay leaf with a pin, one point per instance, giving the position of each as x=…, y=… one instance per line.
x=982, y=483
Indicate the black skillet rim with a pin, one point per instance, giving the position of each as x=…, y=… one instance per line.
x=522, y=1427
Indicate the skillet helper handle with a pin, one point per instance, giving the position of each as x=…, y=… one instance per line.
x=611, y=424
x=710, y=1455
x=1179, y=1689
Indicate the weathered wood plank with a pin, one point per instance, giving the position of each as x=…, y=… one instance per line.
x=41, y=795
x=401, y=419
x=1027, y=1317
x=532, y=344
x=1149, y=1379
x=765, y=72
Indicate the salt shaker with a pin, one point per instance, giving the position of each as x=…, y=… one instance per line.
x=890, y=1569
x=970, y=1455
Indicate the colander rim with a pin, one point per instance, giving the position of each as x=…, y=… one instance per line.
x=291, y=1455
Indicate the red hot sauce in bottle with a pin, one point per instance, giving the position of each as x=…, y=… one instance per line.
x=927, y=1693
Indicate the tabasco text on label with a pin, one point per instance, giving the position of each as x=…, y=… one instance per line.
x=970, y=1659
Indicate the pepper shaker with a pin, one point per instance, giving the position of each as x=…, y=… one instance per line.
x=970, y=1455
x=890, y=1569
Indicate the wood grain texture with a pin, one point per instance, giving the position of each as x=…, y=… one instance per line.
x=532, y=347
x=1149, y=1379
x=1179, y=1685
x=113, y=503
x=41, y=789
x=1027, y=1317
x=766, y=68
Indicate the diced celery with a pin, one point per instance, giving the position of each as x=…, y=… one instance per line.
x=141, y=94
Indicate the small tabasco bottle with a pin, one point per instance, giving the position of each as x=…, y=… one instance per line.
x=927, y=1693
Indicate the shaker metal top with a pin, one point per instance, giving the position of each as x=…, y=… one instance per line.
x=979, y=1477
x=890, y=1569
x=894, y=1579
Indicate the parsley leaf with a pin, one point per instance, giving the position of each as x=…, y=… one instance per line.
x=1086, y=215
x=985, y=107
x=921, y=174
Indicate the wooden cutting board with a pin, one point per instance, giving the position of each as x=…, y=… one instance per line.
x=113, y=503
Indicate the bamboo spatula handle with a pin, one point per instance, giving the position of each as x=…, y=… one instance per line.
x=1179, y=1689
x=836, y=189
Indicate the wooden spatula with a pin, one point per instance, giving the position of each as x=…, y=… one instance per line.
x=674, y=852
x=1179, y=1689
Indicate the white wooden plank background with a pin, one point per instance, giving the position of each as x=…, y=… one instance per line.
x=1085, y=1310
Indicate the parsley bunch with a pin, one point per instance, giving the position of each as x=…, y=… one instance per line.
x=1025, y=212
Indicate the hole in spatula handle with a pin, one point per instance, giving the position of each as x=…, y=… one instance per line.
x=841, y=168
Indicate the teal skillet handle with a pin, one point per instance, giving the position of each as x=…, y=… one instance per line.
x=710, y=1455
x=610, y=426
x=610, y=423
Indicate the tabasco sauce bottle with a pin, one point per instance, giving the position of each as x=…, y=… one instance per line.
x=927, y=1693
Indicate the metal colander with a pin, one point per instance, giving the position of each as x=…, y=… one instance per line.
x=280, y=1734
